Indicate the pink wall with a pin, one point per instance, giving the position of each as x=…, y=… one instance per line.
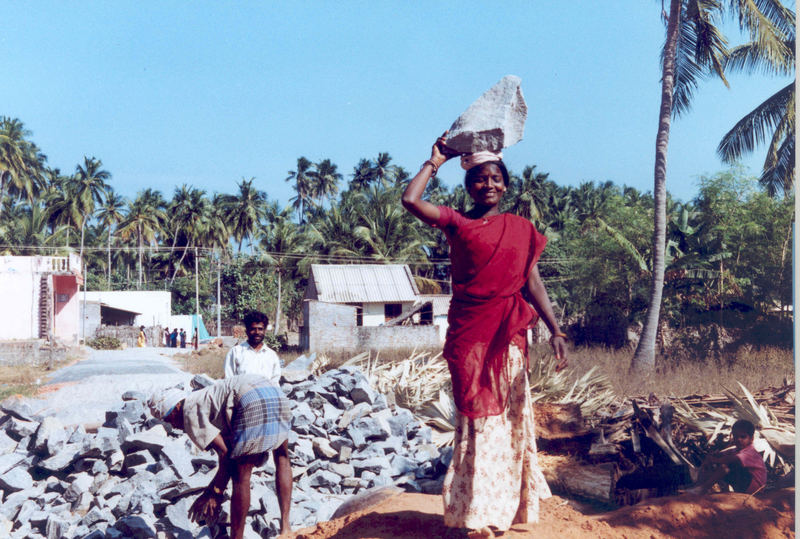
x=65, y=302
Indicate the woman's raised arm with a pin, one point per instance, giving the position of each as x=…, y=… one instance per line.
x=412, y=197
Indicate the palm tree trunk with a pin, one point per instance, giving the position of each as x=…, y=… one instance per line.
x=644, y=360
x=109, y=259
x=278, y=306
x=180, y=264
x=140, y=258
x=83, y=228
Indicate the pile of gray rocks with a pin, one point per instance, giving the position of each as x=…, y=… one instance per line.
x=135, y=476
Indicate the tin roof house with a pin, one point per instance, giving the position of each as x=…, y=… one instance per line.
x=353, y=307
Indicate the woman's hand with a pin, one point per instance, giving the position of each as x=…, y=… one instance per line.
x=206, y=507
x=559, y=345
x=440, y=152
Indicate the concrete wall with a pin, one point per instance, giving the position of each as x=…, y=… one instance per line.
x=129, y=334
x=20, y=295
x=329, y=327
x=20, y=280
x=65, y=307
x=91, y=316
x=155, y=306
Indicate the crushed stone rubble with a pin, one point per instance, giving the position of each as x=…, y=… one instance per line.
x=137, y=477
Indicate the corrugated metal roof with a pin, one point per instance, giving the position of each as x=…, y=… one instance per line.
x=441, y=302
x=364, y=283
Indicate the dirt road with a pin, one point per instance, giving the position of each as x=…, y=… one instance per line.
x=82, y=392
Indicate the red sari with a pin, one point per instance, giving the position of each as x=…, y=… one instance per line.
x=491, y=260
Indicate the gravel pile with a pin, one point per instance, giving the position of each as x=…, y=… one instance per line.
x=136, y=477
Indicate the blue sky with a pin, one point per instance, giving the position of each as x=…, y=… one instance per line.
x=205, y=93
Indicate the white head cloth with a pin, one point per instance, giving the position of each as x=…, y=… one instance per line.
x=163, y=401
x=469, y=160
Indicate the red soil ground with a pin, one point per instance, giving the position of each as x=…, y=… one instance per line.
x=407, y=516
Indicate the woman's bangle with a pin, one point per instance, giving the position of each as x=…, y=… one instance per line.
x=557, y=334
x=433, y=166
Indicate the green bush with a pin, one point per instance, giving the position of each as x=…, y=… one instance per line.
x=105, y=343
x=276, y=342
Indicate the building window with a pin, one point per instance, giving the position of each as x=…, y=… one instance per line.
x=359, y=315
x=392, y=310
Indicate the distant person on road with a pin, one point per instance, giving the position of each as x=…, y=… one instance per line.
x=166, y=337
x=740, y=466
x=183, y=338
x=141, y=340
x=173, y=338
x=494, y=479
x=195, y=339
x=253, y=356
x=242, y=419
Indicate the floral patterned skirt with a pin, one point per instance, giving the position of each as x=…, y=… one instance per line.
x=494, y=478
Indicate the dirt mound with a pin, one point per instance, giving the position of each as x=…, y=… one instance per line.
x=412, y=516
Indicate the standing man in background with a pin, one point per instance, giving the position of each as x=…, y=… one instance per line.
x=253, y=356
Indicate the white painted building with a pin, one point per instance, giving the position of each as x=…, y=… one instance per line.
x=151, y=307
x=40, y=297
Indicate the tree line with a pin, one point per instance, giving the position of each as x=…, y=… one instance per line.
x=727, y=249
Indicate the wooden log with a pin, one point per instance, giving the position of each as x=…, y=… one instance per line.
x=558, y=421
x=568, y=476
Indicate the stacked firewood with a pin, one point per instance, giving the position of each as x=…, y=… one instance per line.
x=653, y=447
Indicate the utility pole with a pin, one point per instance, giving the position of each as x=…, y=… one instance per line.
x=196, y=300
x=219, y=297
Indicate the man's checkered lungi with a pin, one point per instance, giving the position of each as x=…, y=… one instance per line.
x=261, y=420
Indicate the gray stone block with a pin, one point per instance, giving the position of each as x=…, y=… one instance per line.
x=18, y=408
x=363, y=392
x=56, y=527
x=177, y=515
x=10, y=460
x=322, y=448
x=153, y=439
x=78, y=484
x=134, y=395
x=179, y=458
x=20, y=428
x=7, y=444
x=341, y=469
x=401, y=465
x=15, y=480
x=400, y=422
x=324, y=478
x=351, y=414
x=374, y=465
x=303, y=451
x=494, y=121
x=200, y=381
x=137, y=527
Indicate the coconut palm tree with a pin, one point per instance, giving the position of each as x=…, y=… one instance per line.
x=21, y=162
x=281, y=240
x=362, y=175
x=91, y=186
x=303, y=189
x=195, y=216
x=245, y=211
x=774, y=118
x=324, y=180
x=110, y=215
x=694, y=48
x=143, y=222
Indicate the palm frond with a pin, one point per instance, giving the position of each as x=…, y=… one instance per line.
x=779, y=173
x=751, y=58
x=753, y=129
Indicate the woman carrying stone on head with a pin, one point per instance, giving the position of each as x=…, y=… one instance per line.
x=242, y=419
x=494, y=479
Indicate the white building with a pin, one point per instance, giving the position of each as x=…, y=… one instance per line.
x=150, y=307
x=40, y=297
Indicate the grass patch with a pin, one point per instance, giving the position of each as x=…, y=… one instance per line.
x=756, y=369
x=25, y=380
x=211, y=361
